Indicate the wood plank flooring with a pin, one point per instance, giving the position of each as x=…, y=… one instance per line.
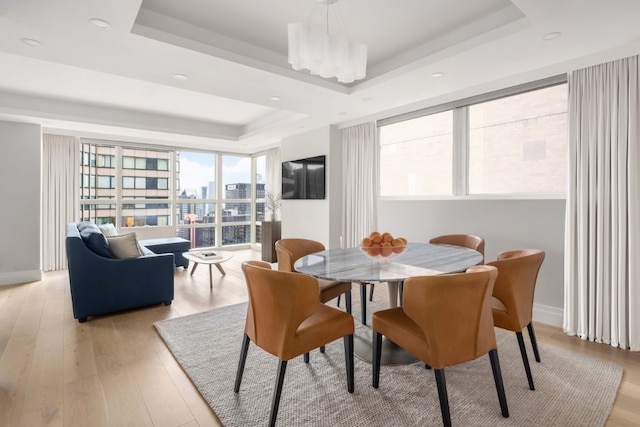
x=116, y=371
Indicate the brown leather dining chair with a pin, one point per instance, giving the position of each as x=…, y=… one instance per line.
x=290, y=250
x=445, y=320
x=286, y=319
x=465, y=240
x=513, y=297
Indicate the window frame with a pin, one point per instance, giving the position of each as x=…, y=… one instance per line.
x=460, y=167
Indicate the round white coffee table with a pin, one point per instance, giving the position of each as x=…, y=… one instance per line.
x=207, y=256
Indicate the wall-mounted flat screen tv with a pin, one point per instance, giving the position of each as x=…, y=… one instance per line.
x=304, y=178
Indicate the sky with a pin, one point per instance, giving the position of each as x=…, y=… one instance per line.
x=198, y=169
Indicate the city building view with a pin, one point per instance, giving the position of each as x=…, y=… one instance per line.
x=136, y=192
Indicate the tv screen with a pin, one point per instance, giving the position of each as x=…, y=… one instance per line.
x=303, y=178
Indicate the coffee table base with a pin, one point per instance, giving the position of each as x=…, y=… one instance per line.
x=391, y=353
x=195, y=264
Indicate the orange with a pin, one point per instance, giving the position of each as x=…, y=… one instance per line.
x=387, y=237
x=366, y=242
x=374, y=250
x=386, y=249
x=377, y=239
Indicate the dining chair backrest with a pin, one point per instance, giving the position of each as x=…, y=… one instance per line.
x=515, y=286
x=279, y=302
x=290, y=250
x=454, y=313
x=465, y=240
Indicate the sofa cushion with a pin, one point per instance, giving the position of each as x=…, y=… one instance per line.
x=94, y=239
x=108, y=230
x=144, y=250
x=124, y=246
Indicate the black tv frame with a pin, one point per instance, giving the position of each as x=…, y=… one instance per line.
x=308, y=183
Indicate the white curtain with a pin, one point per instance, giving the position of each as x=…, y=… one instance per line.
x=273, y=179
x=602, y=253
x=60, y=192
x=359, y=183
x=273, y=171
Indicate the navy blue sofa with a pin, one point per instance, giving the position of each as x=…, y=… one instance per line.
x=101, y=284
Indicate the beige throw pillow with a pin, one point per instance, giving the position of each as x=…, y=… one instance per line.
x=124, y=246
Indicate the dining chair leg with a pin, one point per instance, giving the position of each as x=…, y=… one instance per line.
x=282, y=367
x=371, y=291
x=442, y=395
x=497, y=378
x=306, y=357
x=363, y=302
x=401, y=287
x=534, y=343
x=348, y=359
x=243, y=358
x=426, y=366
x=375, y=357
x=338, y=303
x=322, y=349
x=525, y=360
x=347, y=300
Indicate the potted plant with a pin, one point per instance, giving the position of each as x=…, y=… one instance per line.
x=271, y=230
x=272, y=202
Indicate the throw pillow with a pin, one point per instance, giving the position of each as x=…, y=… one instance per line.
x=95, y=240
x=108, y=230
x=124, y=246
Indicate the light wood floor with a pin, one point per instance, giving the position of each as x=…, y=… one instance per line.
x=116, y=371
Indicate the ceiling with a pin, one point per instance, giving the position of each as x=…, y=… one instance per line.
x=241, y=95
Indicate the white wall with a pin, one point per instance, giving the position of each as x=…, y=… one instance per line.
x=315, y=219
x=504, y=224
x=20, y=176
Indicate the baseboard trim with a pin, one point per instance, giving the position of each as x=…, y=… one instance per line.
x=16, y=277
x=553, y=316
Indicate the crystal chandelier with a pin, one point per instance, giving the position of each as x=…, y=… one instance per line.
x=314, y=48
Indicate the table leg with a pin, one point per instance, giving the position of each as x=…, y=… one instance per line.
x=195, y=264
x=210, y=278
x=393, y=293
x=391, y=353
x=220, y=269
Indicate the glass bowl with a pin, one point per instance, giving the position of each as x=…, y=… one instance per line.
x=383, y=254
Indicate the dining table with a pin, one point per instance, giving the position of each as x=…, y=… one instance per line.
x=354, y=265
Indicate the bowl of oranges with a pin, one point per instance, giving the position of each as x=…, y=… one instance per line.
x=383, y=247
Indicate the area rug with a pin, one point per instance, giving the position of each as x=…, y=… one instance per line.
x=571, y=389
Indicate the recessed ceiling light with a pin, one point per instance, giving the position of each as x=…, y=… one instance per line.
x=437, y=74
x=367, y=99
x=342, y=113
x=551, y=36
x=100, y=23
x=275, y=98
x=30, y=42
x=182, y=77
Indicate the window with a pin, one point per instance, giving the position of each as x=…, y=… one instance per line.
x=130, y=187
x=416, y=156
x=507, y=143
x=106, y=181
x=261, y=172
x=518, y=144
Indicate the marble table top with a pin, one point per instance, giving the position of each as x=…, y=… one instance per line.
x=418, y=259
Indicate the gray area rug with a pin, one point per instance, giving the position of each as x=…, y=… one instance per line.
x=571, y=390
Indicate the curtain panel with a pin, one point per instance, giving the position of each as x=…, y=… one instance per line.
x=359, y=183
x=273, y=171
x=60, y=194
x=602, y=242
